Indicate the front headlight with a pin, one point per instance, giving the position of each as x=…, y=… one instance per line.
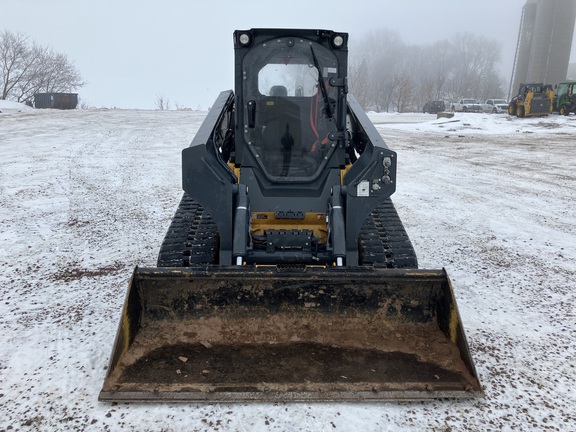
x=244, y=39
x=338, y=40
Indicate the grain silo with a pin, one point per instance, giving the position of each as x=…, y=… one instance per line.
x=544, y=42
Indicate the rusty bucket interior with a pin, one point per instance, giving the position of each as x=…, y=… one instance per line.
x=267, y=334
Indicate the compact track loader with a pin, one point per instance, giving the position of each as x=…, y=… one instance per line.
x=286, y=273
x=533, y=99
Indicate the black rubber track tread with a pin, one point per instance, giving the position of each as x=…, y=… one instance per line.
x=191, y=239
x=383, y=240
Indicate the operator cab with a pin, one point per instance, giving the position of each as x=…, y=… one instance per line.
x=290, y=109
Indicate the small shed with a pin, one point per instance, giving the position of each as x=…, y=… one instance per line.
x=56, y=100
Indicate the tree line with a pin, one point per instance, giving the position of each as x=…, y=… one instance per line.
x=27, y=68
x=386, y=74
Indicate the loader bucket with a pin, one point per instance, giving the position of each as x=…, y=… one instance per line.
x=267, y=334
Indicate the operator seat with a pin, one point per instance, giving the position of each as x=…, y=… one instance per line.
x=278, y=90
x=278, y=114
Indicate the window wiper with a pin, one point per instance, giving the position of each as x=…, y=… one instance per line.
x=321, y=84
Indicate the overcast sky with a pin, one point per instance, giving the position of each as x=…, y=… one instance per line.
x=130, y=51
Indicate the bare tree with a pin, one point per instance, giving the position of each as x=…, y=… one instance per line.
x=162, y=102
x=377, y=54
x=404, y=82
x=28, y=68
x=56, y=74
x=388, y=74
x=358, y=75
x=84, y=104
x=17, y=61
x=474, y=72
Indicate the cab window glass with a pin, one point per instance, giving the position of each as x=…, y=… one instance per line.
x=289, y=118
x=288, y=80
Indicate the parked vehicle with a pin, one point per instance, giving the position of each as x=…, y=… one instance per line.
x=565, y=98
x=433, y=107
x=467, y=105
x=495, y=106
x=533, y=99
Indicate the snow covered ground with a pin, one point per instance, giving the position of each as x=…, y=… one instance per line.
x=87, y=195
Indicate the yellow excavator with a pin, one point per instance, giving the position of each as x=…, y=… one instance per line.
x=286, y=273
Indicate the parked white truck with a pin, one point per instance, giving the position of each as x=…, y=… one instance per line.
x=496, y=106
x=467, y=105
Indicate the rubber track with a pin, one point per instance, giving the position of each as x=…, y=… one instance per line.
x=191, y=239
x=383, y=240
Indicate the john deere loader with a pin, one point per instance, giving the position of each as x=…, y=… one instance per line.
x=533, y=99
x=286, y=273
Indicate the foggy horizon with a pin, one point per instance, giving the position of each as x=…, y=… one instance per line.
x=130, y=52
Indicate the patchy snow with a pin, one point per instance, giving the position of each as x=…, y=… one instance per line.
x=478, y=124
x=13, y=107
x=87, y=195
